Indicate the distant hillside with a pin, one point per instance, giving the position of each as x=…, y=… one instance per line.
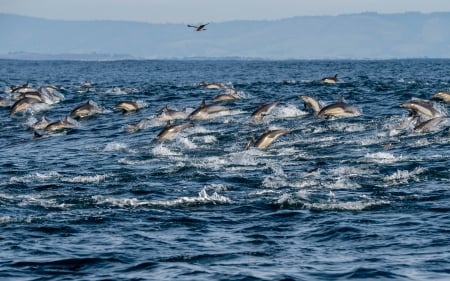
x=357, y=36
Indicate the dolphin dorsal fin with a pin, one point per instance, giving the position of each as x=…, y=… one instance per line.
x=203, y=104
x=341, y=99
x=335, y=76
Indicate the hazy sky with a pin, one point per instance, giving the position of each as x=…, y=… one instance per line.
x=196, y=11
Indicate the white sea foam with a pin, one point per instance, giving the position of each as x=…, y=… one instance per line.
x=53, y=175
x=347, y=127
x=330, y=205
x=288, y=111
x=86, y=179
x=161, y=150
x=403, y=176
x=383, y=157
x=202, y=198
x=35, y=177
x=116, y=146
x=342, y=183
x=185, y=142
x=346, y=206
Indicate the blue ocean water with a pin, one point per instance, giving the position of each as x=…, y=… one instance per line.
x=336, y=199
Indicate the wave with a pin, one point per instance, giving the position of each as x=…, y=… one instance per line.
x=38, y=177
x=202, y=198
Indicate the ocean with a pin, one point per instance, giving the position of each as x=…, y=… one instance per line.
x=335, y=199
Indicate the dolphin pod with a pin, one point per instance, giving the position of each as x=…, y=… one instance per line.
x=423, y=116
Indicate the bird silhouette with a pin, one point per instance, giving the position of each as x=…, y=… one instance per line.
x=199, y=27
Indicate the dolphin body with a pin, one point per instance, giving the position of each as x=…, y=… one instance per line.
x=41, y=124
x=142, y=124
x=429, y=125
x=171, y=114
x=226, y=98
x=263, y=110
x=204, y=111
x=421, y=108
x=266, y=138
x=212, y=86
x=443, y=96
x=85, y=110
x=127, y=106
x=338, y=109
x=22, y=105
x=329, y=79
x=171, y=130
x=22, y=89
x=63, y=124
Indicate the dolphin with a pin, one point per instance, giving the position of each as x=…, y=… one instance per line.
x=88, y=109
x=127, y=106
x=22, y=105
x=22, y=89
x=444, y=96
x=339, y=109
x=34, y=95
x=263, y=110
x=421, y=108
x=171, y=114
x=212, y=86
x=171, y=130
x=204, y=111
x=311, y=102
x=407, y=122
x=266, y=138
x=63, y=124
x=41, y=124
x=330, y=79
x=229, y=94
x=430, y=124
x=142, y=124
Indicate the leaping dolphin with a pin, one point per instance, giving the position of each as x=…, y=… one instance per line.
x=85, y=110
x=22, y=105
x=127, y=106
x=421, y=108
x=339, y=109
x=443, y=96
x=263, y=110
x=204, y=111
x=63, y=124
x=429, y=125
x=229, y=94
x=266, y=138
x=171, y=130
x=172, y=114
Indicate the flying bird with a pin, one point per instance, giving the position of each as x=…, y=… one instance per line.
x=199, y=27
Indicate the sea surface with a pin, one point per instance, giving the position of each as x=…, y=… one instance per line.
x=336, y=199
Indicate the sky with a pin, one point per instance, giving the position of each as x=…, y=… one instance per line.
x=199, y=11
